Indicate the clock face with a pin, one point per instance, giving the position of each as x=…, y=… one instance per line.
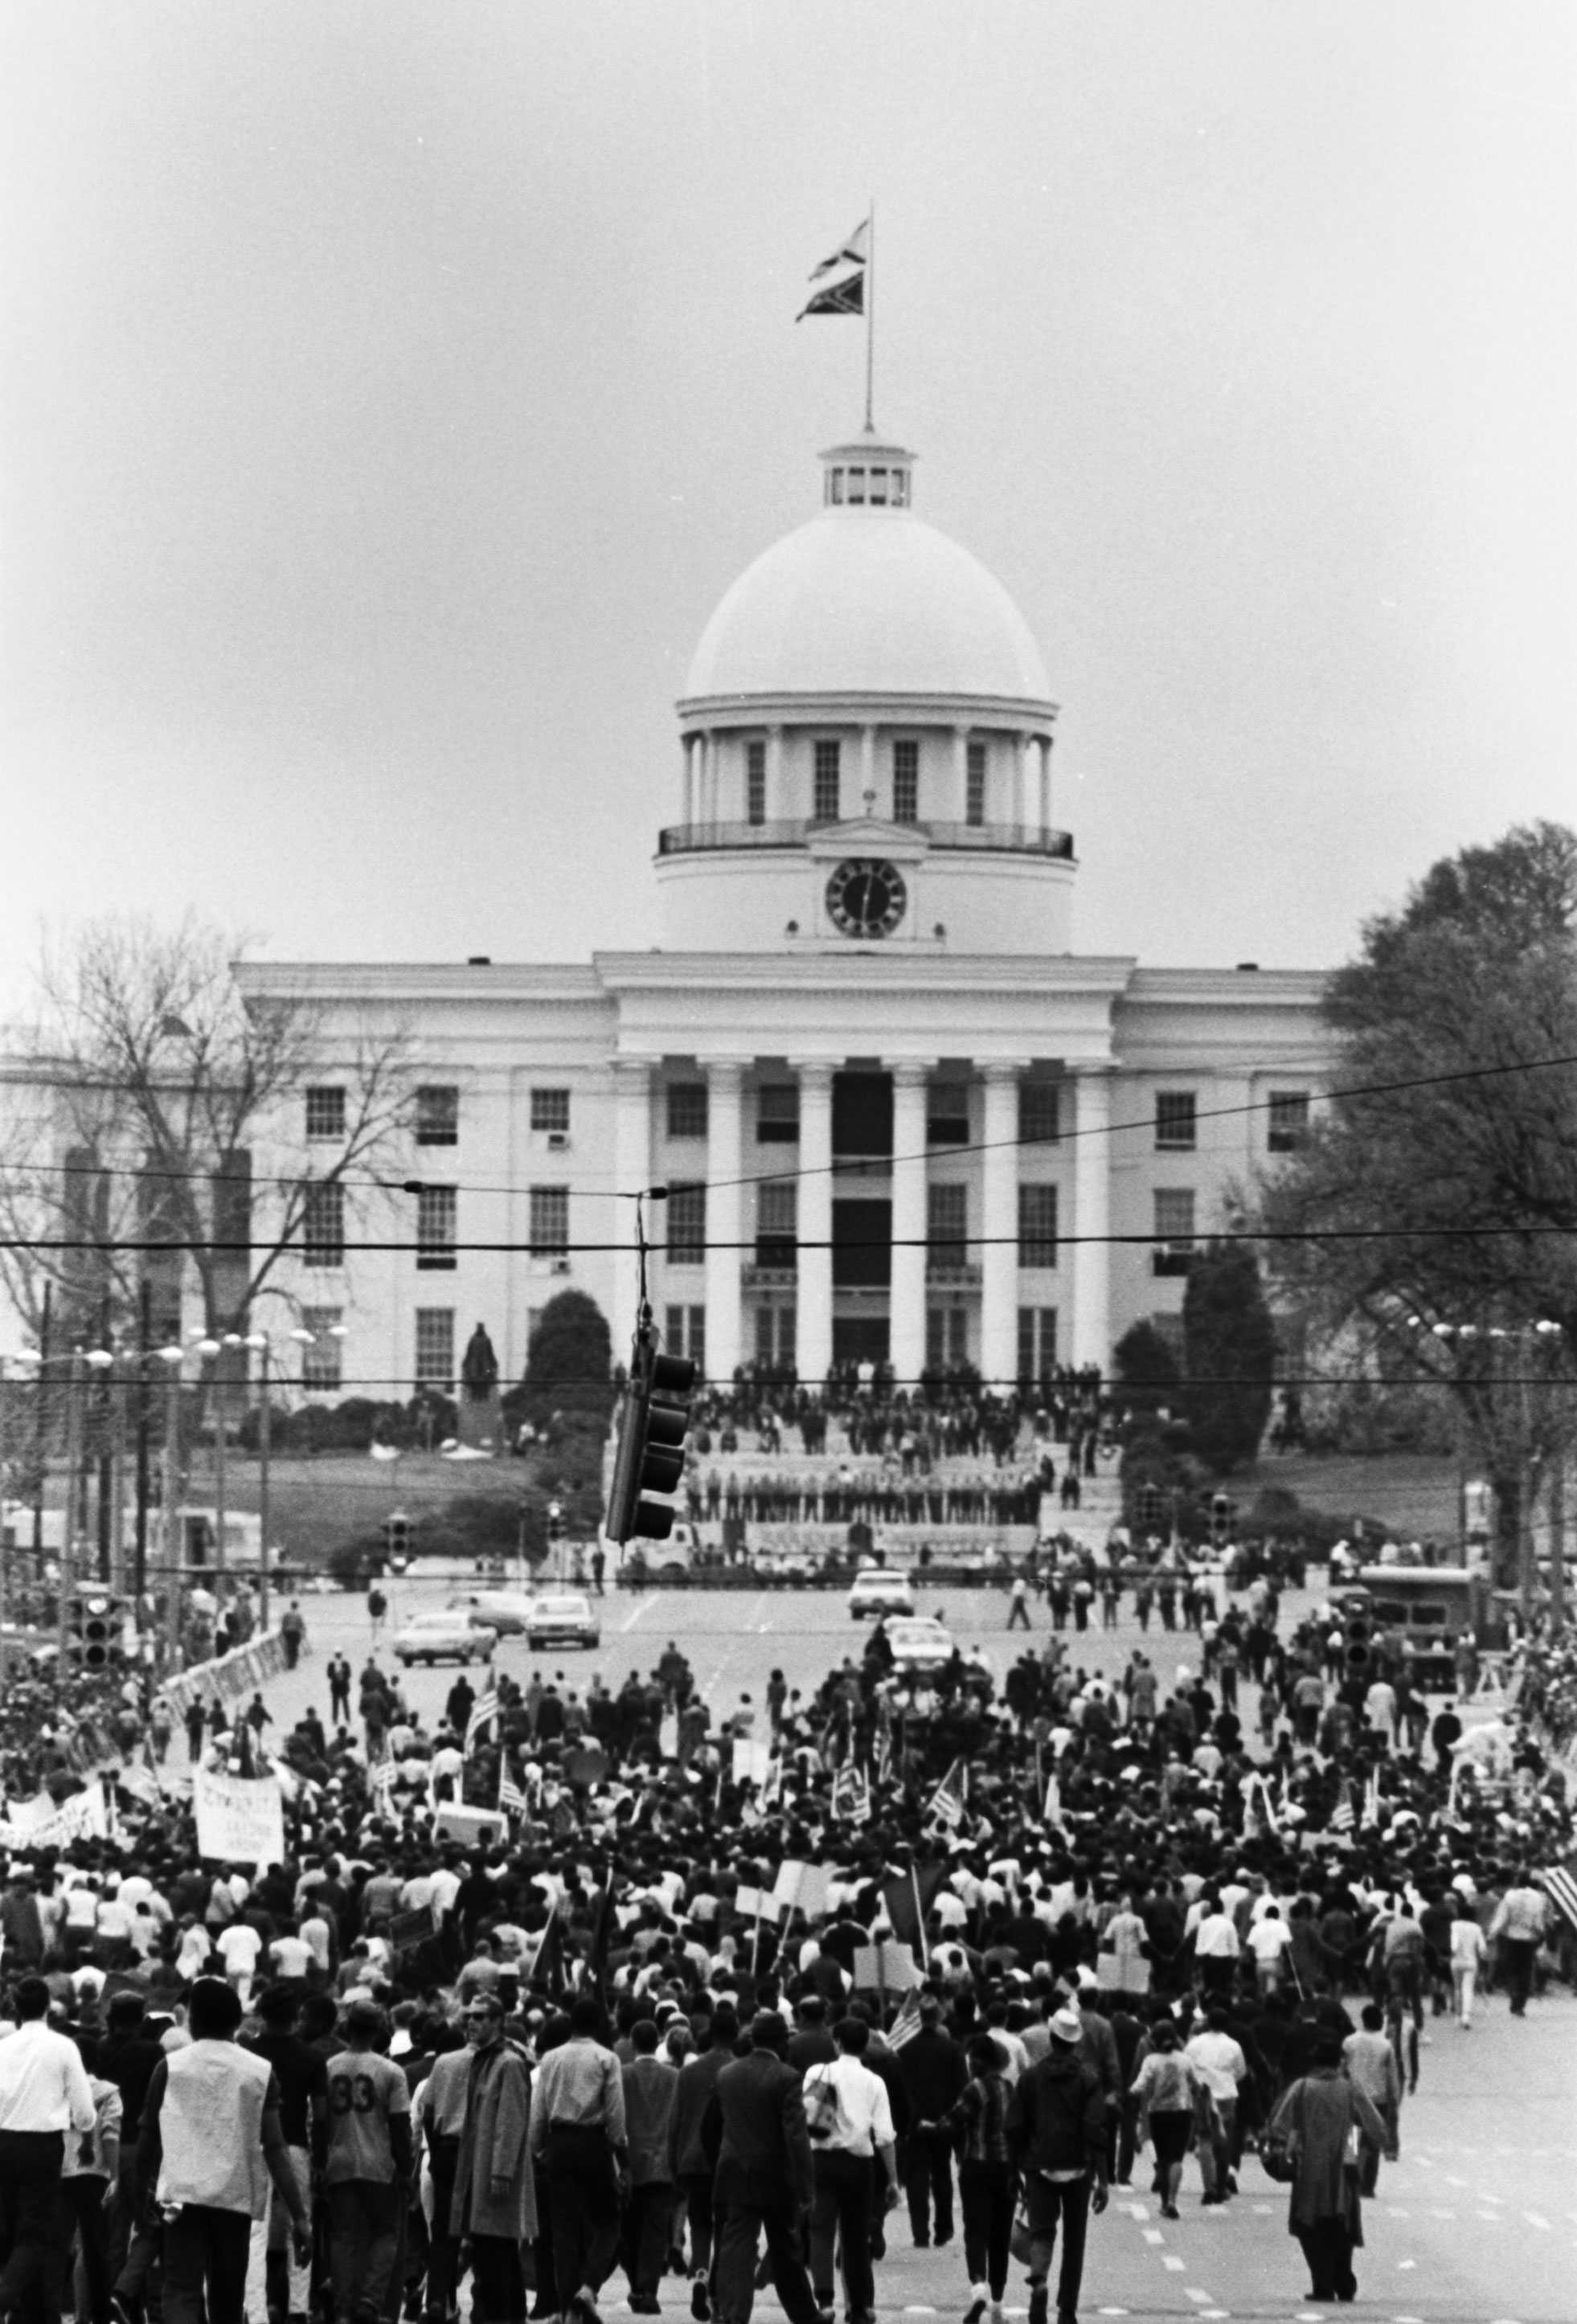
x=866, y=898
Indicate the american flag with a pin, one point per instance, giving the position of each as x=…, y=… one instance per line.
x=512, y=1800
x=483, y=1712
x=1562, y=1889
x=946, y=1804
x=906, y=2023
x=851, y=1795
x=1342, y=1817
x=380, y=1784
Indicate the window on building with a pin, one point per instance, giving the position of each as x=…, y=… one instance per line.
x=906, y=781
x=1037, y=1226
x=947, y=1223
x=687, y=1108
x=778, y=1113
x=824, y=805
x=1176, y=1124
x=549, y=1221
x=435, y=1349
x=946, y=1113
x=1289, y=1121
x=946, y=1338
x=1039, y=1113
x=1036, y=1344
x=322, y=1363
x=684, y=1334
x=755, y=782
x=687, y=1225
x=776, y=1349
x=550, y=1109
x=974, y=775
x=438, y=1115
x=776, y=1223
x=326, y=1113
x=1174, y=1229
x=323, y=1226
x=856, y=487
x=436, y=1208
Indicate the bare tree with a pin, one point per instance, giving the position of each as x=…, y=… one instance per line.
x=152, y=1081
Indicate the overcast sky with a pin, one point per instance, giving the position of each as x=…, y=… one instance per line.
x=390, y=391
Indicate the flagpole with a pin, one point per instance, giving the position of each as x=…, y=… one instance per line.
x=871, y=322
x=920, y=1916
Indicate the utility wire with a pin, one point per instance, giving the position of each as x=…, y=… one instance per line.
x=840, y=1166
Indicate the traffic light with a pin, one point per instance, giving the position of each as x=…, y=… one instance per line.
x=397, y=1538
x=1358, y=1652
x=1221, y=1519
x=555, y=1521
x=650, y=1458
x=95, y=1622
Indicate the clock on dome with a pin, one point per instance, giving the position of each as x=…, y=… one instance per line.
x=866, y=897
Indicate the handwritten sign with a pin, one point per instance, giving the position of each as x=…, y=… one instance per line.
x=239, y=1820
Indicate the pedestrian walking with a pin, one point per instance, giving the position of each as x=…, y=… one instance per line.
x=212, y=2143
x=988, y=2180
x=493, y=2207
x=1058, y=2134
x=45, y=2099
x=1320, y=2114
x=762, y=2182
x=580, y=2146
x=1469, y=1952
x=367, y=2169
x=851, y=2124
x=651, y=2091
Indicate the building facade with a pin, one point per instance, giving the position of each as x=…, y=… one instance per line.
x=898, y=1116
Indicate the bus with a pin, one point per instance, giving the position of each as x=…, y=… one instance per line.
x=1429, y=1608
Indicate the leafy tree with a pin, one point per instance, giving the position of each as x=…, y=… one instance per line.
x=1147, y=1371
x=1229, y=1340
x=569, y=1363
x=1435, y=1205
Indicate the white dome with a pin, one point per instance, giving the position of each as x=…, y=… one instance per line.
x=867, y=602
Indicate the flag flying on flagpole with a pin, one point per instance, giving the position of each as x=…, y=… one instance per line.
x=851, y=1794
x=945, y=1805
x=1342, y=1817
x=840, y=279
x=512, y=1800
x=1562, y=1888
x=906, y=2023
x=907, y=1899
x=483, y=1712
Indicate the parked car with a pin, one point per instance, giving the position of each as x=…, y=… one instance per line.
x=563, y=1618
x=878, y=1590
x=447, y=1637
x=507, y=1611
x=918, y=1643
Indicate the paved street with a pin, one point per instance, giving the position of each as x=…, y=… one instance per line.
x=1477, y=2224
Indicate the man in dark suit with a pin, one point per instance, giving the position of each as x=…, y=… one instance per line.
x=755, y=2129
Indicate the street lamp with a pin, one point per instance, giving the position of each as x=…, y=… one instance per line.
x=25, y=1358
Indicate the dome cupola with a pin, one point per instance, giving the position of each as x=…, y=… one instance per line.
x=866, y=692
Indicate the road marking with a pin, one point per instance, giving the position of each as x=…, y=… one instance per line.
x=1533, y=2220
x=1154, y=2236
x=1263, y=2210
x=1406, y=2263
x=634, y=1615
x=1453, y=2181
x=1192, y=2291
x=1441, y=2211
x=1491, y=2218
x=762, y=1626
x=1141, y=2211
x=920, y=2312
x=1171, y=2260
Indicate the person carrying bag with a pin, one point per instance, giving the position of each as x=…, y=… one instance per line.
x=1319, y=2124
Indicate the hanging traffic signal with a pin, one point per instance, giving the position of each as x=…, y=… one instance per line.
x=555, y=1521
x=652, y=1427
x=94, y=1619
x=1359, y=1653
x=397, y=1539
x=1221, y=1519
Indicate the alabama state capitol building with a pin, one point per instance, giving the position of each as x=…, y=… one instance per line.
x=898, y=1110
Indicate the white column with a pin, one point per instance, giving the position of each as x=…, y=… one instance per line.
x=633, y=1171
x=868, y=770
x=960, y=775
x=690, y=780
x=777, y=809
x=724, y=1217
x=999, y=1226
x=1046, y=782
x=1092, y=1330
x=814, y=1298
x=907, y=1348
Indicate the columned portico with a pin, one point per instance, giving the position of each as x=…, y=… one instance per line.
x=998, y=1274
x=813, y=1320
x=724, y=1217
x=632, y=1171
x=1092, y=1335
x=907, y=1329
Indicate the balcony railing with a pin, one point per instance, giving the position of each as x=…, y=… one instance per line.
x=942, y=1267
x=989, y=838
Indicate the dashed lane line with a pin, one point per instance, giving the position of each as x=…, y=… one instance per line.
x=636, y=1611
x=1171, y=2260
x=1536, y=2221
x=1153, y=2236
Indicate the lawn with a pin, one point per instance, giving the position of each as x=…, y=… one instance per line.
x=1414, y=1494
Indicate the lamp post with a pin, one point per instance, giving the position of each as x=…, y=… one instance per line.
x=26, y=1358
x=260, y=1343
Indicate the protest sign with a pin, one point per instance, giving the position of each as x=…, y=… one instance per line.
x=240, y=1820
x=409, y=1930
x=804, y=1887
x=751, y=1761
x=886, y=1967
x=43, y=1822
x=757, y=1903
x=472, y=1827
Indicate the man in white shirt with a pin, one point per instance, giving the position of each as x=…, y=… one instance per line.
x=1268, y=1939
x=45, y=2098
x=1221, y=2066
x=1216, y=1948
x=850, y=2122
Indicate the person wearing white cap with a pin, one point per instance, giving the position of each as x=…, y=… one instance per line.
x=1058, y=2131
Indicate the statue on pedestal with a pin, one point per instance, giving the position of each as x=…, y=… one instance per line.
x=479, y=1367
